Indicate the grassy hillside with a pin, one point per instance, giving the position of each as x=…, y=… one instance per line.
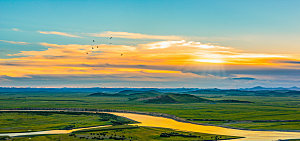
x=131, y=94
x=153, y=96
x=184, y=98
x=106, y=94
x=176, y=98
x=233, y=101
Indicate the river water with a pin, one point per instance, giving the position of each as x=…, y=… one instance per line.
x=152, y=121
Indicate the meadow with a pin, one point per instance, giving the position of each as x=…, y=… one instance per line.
x=39, y=121
x=126, y=132
x=266, y=113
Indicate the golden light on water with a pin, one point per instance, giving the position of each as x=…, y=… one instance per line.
x=152, y=121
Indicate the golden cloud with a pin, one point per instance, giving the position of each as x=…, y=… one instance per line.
x=157, y=59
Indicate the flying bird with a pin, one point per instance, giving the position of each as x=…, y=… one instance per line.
x=93, y=40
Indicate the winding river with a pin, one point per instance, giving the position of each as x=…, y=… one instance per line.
x=153, y=121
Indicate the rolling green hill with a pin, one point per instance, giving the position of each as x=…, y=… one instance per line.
x=132, y=94
x=233, y=101
x=162, y=98
x=106, y=95
x=174, y=98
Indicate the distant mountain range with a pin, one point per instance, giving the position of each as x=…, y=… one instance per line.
x=114, y=90
x=259, y=88
x=132, y=94
x=94, y=89
x=165, y=95
x=156, y=97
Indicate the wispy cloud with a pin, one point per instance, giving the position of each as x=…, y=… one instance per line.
x=15, y=42
x=243, y=78
x=59, y=33
x=15, y=29
x=134, y=35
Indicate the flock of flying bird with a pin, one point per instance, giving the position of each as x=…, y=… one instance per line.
x=98, y=47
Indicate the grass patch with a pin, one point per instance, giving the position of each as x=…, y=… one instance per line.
x=39, y=121
x=126, y=132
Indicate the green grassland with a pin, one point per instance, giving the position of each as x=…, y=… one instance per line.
x=241, y=115
x=39, y=121
x=126, y=132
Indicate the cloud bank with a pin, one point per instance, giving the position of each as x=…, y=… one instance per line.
x=174, y=63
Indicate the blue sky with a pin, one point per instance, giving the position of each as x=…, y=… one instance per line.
x=268, y=28
x=211, y=19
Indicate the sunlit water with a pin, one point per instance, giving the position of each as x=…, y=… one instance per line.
x=152, y=121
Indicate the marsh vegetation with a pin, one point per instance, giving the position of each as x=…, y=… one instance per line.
x=49, y=120
x=267, y=110
x=127, y=132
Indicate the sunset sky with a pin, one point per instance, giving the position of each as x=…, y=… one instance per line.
x=158, y=43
